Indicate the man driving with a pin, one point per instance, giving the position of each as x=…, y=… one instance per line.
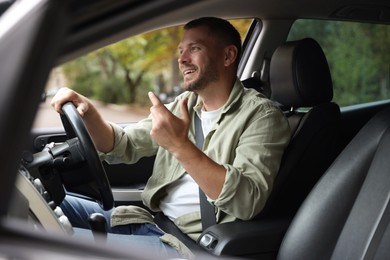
x=245, y=135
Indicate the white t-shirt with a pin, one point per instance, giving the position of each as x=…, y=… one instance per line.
x=183, y=194
x=208, y=119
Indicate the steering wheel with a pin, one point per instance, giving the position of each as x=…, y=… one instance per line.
x=75, y=127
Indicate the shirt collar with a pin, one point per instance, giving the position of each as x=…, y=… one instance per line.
x=233, y=97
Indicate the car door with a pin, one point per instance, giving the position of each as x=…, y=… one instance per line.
x=22, y=75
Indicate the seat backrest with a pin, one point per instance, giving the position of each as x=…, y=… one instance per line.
x=301, y=83
x=347, y=214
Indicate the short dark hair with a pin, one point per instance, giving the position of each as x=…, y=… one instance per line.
x=221, y=28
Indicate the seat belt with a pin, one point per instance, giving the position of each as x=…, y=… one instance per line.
x=207, y=211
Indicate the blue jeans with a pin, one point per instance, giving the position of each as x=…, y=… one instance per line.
x=133, y=237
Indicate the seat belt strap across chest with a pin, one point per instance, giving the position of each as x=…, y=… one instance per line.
x=207, y=210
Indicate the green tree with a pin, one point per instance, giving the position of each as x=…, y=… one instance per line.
x=242, y=26
x=123, y=72
x=357, y=54
x=126, y=64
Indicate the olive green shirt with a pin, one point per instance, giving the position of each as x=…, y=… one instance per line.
x=248, y=139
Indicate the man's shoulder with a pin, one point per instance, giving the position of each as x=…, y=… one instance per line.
x=257, y=100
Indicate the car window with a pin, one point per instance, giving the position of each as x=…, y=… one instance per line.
x=118, y=77
x=358, y=56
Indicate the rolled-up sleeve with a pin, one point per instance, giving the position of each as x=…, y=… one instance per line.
x=131, y=143
x=255, y=163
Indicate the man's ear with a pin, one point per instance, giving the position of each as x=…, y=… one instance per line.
x=230, y=53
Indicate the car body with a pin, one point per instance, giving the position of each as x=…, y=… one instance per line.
x=37, y=35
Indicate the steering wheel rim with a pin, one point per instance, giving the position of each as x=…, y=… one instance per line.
x=75, y=127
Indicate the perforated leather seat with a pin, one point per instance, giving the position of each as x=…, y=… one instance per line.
x=347, y=214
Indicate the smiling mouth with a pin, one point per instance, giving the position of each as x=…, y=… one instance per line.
x=186, y=72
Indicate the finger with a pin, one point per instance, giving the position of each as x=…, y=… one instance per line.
x=81, y=109
x=57, y=105
x=185, y=115
x=59, y=99
x=154, y=99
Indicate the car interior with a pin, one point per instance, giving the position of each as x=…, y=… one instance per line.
x=330, y=198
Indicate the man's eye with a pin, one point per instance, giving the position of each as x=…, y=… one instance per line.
x=194, y=49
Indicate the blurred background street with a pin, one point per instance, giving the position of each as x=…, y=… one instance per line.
x=47, y=117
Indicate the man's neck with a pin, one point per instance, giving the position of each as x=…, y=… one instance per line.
x=215, y=96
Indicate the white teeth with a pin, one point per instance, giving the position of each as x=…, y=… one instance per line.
x=188, y=72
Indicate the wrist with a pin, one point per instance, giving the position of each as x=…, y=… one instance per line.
x=187, y=151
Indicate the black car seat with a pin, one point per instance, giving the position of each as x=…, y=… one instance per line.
x=347, y=214
x=301, y=83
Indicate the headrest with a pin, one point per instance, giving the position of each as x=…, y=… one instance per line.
x=299, y=74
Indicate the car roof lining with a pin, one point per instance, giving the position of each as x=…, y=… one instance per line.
x=96, y=24
x=370, y=13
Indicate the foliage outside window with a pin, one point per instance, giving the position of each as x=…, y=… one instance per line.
x=124, y=72
x=358, y=56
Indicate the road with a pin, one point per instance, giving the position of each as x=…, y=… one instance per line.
x=47, y=117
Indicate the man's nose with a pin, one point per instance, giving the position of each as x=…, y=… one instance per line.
x=183, y=57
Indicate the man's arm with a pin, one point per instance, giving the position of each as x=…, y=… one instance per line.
x=171, y=133
x=101, y=131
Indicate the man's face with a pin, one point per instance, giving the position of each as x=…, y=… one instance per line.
x=198, y=58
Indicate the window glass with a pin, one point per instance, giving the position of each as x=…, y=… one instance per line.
x=358, y=56
x=118, y=77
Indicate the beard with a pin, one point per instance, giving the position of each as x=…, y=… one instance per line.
x=209, y=75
